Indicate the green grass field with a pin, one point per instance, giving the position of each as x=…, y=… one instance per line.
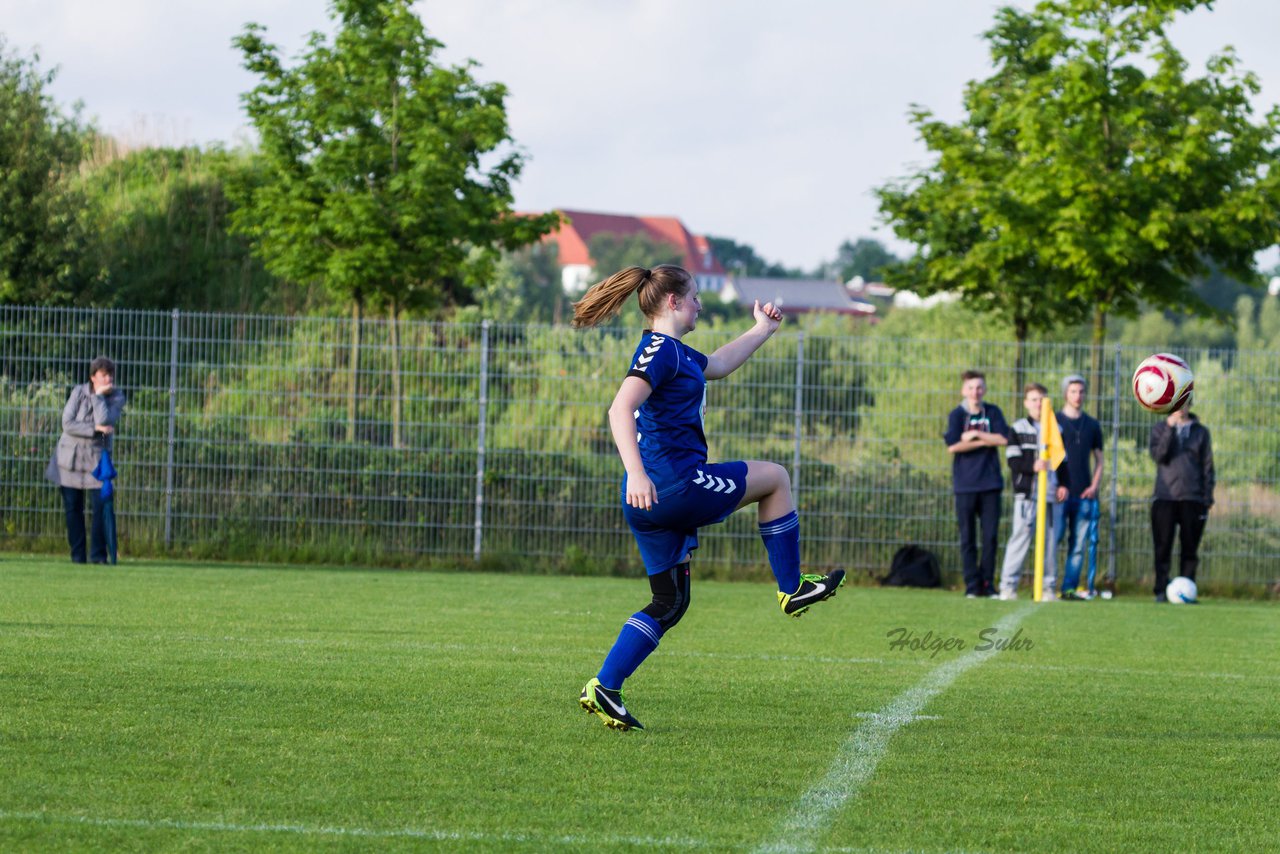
x=191, y=707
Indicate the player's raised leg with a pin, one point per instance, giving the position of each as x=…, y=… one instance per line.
x=769, y=486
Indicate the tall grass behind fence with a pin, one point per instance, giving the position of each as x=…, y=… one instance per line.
x=238, y=440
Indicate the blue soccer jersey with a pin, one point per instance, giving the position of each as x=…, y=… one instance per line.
x=669, y=423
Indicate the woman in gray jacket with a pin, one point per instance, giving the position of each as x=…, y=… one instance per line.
x=88, y=424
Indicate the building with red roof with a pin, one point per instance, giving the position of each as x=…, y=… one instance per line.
x=574, y=239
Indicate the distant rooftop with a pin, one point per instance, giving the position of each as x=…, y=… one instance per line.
x=574, y=238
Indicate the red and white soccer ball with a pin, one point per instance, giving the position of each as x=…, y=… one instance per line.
x=1163, y=383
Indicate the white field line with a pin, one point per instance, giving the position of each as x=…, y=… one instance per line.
x=861, y=752
x=573, y=841
x=428, y=834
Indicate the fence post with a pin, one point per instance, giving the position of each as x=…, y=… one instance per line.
x=799, y=423
x=1115, y=471
x=480, y=434
x=173, y=417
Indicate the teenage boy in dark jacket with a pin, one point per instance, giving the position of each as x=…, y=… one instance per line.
x=1183, y=452
x=974, y=431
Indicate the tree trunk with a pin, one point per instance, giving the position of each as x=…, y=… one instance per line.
x=1095, y=352
x=393, y=332
x=353, y=381
x=393, y=329
x=1019, y=356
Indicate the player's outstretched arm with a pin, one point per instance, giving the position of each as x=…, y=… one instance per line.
x=730, y=357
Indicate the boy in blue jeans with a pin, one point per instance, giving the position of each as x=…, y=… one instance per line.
x=1077, y=517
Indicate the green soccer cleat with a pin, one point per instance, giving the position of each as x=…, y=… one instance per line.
x=608, y=706
x=813, y=589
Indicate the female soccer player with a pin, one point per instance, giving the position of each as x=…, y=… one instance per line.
x=669, y=489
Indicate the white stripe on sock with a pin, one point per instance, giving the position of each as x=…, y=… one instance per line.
x=775, y=528
x=646, y=628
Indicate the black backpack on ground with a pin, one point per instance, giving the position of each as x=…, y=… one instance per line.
x=913, y=566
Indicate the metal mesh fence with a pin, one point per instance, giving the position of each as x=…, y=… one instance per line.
x=246, y=437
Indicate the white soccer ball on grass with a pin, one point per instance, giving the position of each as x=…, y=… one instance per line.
x=1181, y=591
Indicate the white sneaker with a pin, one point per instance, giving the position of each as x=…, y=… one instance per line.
x=1008, y=595
x=1048, y=596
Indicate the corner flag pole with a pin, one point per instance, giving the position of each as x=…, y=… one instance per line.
x=1042, y=487
x=1053, y=452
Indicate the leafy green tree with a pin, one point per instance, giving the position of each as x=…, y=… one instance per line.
x=975, y=227
x=1258, y=324
x=613, y=252
x=865, y=257
x=1220, y=291
x=40, y=212
x=160, y=234
x=524, y=287
x=741, y=259
x=381, y=170
x=1162, y=179
x=716, y=311
x=1114, y=178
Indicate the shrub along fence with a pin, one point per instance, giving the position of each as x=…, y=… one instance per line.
x=246, y=438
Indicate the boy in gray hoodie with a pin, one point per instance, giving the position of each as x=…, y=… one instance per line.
x=1023, y=455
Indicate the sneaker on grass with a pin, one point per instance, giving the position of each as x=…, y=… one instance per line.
x=813, y=589
x=608, y=706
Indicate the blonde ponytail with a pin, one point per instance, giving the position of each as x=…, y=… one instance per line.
x=604, y=300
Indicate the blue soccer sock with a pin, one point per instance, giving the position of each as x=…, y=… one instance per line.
x=638, y=638
x=782, y=542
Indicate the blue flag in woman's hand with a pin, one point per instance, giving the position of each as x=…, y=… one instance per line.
x=105, y=472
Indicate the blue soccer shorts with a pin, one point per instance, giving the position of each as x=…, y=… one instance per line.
x=669, y=530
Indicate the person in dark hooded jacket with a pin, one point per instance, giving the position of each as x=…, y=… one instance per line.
x=1183, y=452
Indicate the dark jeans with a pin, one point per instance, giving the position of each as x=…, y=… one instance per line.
x=1189, y=518
x=979, y=576
x=73, y=504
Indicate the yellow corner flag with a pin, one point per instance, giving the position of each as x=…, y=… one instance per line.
x=1050, y=437
x=1051, y=449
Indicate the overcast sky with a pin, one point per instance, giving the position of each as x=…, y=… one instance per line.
x=762, y=121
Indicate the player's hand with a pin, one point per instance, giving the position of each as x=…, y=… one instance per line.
x=104, y=428
x=1062, y=494
x=1040, y=465
x=640, y=492
x=1089, y=492
x=768, y=316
